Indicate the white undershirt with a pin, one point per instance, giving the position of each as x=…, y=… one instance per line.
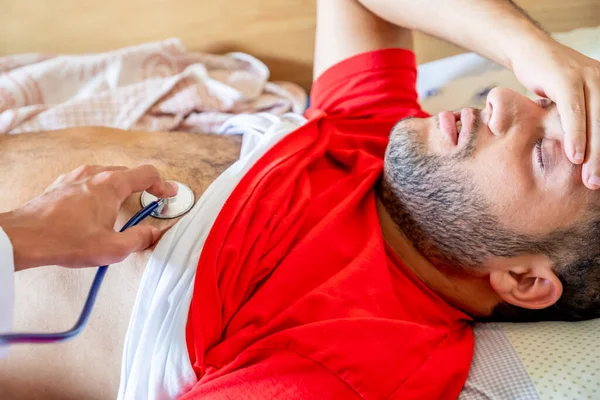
x=155, y=362
x=7, y=288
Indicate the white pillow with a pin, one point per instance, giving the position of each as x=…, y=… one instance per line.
x=532, y=361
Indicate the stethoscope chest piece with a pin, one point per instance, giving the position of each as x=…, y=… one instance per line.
x=172, y=207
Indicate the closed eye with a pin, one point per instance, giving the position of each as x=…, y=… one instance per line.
x=539, y=155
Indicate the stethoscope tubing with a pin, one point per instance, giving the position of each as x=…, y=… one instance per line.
x=35, y=337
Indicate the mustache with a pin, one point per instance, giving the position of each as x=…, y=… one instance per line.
x=468, y=150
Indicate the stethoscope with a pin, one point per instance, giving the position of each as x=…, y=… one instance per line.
x=166, y=208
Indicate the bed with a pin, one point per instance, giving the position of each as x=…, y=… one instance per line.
x=512, y=361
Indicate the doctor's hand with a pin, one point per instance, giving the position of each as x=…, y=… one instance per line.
x=572, y=81
x=72, y=223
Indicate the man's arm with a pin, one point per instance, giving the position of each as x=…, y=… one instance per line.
x=494, y=28
x=346, y=28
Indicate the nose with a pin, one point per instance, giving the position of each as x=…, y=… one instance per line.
x=507, y=109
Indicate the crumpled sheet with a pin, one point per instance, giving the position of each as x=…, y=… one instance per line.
x=155, y=86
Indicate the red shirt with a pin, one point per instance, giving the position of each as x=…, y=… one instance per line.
x=297, y=295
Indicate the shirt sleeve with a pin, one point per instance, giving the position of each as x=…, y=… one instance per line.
x=378, y=84
x=7, y=287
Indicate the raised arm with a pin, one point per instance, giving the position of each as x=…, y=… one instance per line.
x=497, y=29
x=346, y=28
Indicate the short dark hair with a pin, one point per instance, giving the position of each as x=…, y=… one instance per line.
x=576, y=257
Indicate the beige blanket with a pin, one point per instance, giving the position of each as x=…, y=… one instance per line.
x=154, y=86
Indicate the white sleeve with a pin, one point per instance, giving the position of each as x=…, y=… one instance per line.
x=7, y=287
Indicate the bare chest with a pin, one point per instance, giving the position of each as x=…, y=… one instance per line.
x=50, y=298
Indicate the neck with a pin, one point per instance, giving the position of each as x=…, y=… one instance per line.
x=457, y=289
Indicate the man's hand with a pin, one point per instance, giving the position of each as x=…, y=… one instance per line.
x=72, y=222
x=572, y=81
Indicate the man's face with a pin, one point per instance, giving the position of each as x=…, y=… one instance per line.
x=506, y=161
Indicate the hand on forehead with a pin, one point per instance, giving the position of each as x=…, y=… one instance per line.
x=572, y=81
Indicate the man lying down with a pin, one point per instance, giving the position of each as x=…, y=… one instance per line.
x=344, y=256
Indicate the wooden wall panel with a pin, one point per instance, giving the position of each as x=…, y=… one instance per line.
x=280, y=32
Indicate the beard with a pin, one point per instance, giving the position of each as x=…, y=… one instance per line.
x=435, y=204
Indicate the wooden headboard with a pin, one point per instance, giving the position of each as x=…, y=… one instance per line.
x=279, y=32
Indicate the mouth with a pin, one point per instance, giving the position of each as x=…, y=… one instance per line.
x=467, y=117
x=457, y=125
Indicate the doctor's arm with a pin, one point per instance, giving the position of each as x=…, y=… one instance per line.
x=71, y=224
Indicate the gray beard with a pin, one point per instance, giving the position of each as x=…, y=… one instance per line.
x=436, y=205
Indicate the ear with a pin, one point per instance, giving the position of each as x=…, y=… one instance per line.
x=526, y=281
